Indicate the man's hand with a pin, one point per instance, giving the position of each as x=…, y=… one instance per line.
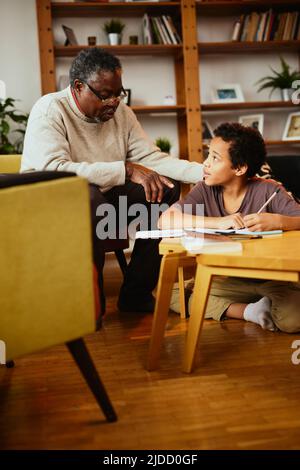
x=262, y=222
x=234, y=221
x=152, y=182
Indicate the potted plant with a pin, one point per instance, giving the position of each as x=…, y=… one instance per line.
x=114, y=29
x=282, y=80
x=163, y=144
x=8, y=115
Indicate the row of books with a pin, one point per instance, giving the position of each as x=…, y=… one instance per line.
x=122, y=1
x=159, y=30
x=267, y=26
x=225, y=1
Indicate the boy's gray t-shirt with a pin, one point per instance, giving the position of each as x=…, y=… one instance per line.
x=258, y=191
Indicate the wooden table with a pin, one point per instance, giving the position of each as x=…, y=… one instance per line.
x=275, y=258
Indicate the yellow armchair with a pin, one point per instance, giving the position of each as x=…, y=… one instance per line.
x=46, y=271
x=10, y=163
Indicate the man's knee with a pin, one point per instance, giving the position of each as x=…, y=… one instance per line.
x=172, y=195
x=96, y=198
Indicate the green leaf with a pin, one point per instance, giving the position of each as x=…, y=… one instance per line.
x=9, y=102
x=280, y=80
x=164, y=144
x=18, y=117
x=7, y=149
x=4, y=126
x=113, y=26
x=266, y=85
x=20, y=131
x=8, y=114
x=263, y=79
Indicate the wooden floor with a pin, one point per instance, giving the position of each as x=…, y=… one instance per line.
x=244, y=393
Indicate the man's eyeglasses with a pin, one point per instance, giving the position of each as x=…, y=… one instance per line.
x=109, y=100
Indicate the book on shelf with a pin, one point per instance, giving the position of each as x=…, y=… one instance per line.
x=224, y=1
x=169, y=29
x=96, y=1
x=159, y=30
x=162, y=33
x=267, y=26
x=146, y=1
x=236, y=30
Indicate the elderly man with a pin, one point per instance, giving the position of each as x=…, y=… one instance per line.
x=88, y=130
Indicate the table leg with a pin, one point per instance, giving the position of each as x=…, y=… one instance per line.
x=167, y=277
x=181, y=293
x=199, y=302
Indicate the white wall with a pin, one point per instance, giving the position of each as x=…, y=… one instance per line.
x=19, y=53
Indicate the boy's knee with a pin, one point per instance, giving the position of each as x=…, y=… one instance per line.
x=285, y=310
x=288, y=325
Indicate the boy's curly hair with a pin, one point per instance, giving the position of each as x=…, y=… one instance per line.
x=246, y=146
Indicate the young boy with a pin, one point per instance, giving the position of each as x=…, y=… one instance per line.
x=232, y=196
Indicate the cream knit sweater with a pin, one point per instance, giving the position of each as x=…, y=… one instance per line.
x=59, y=137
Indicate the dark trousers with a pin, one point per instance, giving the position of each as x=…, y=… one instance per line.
x=143, y=270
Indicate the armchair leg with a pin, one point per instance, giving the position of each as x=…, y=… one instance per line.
x=83, y=360
x=102, y=295
x=121, y=260
x=10, y=364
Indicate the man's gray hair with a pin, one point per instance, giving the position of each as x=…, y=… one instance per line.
x=91, y=61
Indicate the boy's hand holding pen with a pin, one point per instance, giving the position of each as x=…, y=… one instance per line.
x=259, y=221
x=263, y=222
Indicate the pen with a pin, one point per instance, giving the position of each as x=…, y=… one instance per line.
x=268, y=201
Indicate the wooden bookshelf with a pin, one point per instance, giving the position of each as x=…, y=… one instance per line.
x=123, y=49
x=124, y=9
x=178, y=109
x=285, y=143
x=218, y=8
x=186, y=55
x=232, y=10
x=247, y=105
x=242, y=47
x=186, y=77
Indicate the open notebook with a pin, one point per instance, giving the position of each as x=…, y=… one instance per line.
x=196, y=242
x=242, y=233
